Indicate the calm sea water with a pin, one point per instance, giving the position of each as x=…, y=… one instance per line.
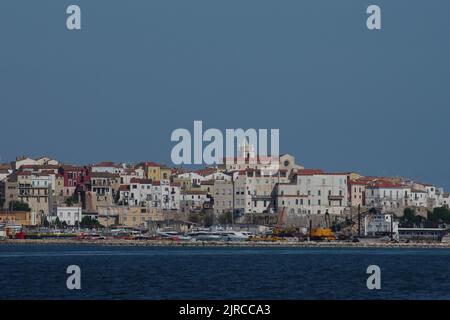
x=39, y=272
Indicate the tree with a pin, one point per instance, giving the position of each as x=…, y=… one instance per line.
x=45, y=222
x=193, y=217
x=19, y=206
x=2, y=202
x=88, y=222
x=225, y=218
x=207, y=218
x=58, y=223
x=439, y=215
x=410, y=218
x=71, y=200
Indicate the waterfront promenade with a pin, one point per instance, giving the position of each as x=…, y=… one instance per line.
x=287, y=244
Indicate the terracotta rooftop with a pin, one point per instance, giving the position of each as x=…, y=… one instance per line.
x=141, y=181
x=107, y=164
x=104, y=175
x=124, y=187
x=385, y=184
x=39, y=166
x=308, y=172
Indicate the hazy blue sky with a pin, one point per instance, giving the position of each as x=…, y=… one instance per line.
x=344, y=97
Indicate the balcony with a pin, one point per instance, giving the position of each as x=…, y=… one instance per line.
x=261, y=198
x=335, y=197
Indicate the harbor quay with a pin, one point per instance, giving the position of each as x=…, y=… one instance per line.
x=230, y=244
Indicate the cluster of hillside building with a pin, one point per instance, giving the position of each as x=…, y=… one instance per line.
x=134, y=195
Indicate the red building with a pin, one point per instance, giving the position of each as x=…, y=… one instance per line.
x=75, y=176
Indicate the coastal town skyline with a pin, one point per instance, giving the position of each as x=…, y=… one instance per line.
x=244, y=188
x=166, y=161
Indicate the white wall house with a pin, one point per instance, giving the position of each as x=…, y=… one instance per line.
x=388, y=196
x=218, y=176
x=165, y=195
x=140, y=192
x=124, y=194
x=24, y=161
x=170, y=196
x=128, y=174
x=109, y=167
x=193, y=199
x=418, y=198
x=70, y=215
x=314, y=193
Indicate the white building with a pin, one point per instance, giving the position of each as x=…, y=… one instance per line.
x=23, y=161
x=193, y=199
x=314, y=192
x=70, y=215
x=140, y=192
x=445, y=200
x=109, y=167
x=29, y=161
x=124, y=195
x=4, y=173
x=46, y=161
x=217, y=176
x=171, y=196
x=388, y=196
x=380, y=224
x=129, y=173
x=253, y=190
x=418, y=198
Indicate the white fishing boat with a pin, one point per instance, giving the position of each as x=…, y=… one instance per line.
x=173, y=235
x=205, y=236
x=230, y=235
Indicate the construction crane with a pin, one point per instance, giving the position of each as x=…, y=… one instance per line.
x=281, y=231
x=280, y=218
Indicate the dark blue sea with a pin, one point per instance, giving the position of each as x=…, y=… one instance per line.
x=39, y=272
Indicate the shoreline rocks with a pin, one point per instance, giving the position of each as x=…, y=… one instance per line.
x=255, y=244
